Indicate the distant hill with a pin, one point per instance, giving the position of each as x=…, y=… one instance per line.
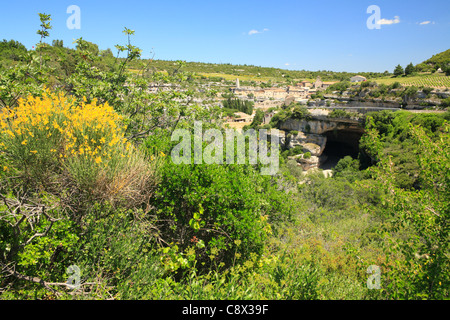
x=257, y=73
x=11, y=51
x=440, y=60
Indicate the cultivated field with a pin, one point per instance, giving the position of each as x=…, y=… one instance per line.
x=439, y=81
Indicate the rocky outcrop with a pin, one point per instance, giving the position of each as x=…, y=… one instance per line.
x=312, y=136
x=321, y=124
x=313, y=143
x=307, y=163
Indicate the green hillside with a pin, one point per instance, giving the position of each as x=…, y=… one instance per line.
x=440, y=60
x=228, y=71
x=12, y=51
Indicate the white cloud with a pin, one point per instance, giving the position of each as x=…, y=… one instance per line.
x=388, y=21
x=426, y=22
x=286, y=64
x=254, y=31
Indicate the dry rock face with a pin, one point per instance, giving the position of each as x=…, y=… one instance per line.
x=306, y=164
x=313, y=143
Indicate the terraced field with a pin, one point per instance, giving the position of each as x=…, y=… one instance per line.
x=439, y=81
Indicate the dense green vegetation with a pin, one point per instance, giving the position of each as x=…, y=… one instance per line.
x=93, y=207
x=440, y=60
x=235, y=104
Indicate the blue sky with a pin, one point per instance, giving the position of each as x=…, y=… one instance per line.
x=290, y=34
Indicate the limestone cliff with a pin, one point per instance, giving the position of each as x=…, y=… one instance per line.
x=312, y=135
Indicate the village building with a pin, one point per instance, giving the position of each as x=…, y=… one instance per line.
x=242, y=117
x=305, y=84
x=298, y=92
x=358, y=78
x=318, y=84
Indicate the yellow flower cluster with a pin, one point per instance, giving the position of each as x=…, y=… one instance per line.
x=54, y=126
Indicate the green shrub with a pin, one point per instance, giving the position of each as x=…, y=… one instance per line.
x=416, y=231
x=118, y=253
x=395, y=85
x=445, y=103
x=300, y=112
x=348, y=168
x=340, y=113
x=279, y=118
x=215, y=205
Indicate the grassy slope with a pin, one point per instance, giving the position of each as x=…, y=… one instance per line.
x=438, y=60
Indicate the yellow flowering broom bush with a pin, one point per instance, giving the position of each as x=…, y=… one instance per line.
x=50, y=137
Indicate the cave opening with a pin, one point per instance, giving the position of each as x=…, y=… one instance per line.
x=339, y=145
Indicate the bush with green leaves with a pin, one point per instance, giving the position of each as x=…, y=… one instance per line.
x=340, y=113
x=416, y=230
x=279, y=118
x=340, y=86
x=217, y=205
x=301, y=112
x=348, y=168
x=395, y=140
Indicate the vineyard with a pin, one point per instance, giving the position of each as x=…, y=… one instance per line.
x=439, y=81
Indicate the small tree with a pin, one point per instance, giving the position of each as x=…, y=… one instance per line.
x=410, y=69
x=301, y=112
x=258, y=119
x=446, y=69
x=398, y=71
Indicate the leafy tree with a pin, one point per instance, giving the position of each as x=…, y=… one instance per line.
x=258, y=119
x=410, y=91
x=446, y=69
x=410, y=69
x=340, y=86
x=11, y=50
x=300, y=112
x=245, y=106
x=58, y=43
x=398, y=71
x=395, y=85
x=45, y=26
